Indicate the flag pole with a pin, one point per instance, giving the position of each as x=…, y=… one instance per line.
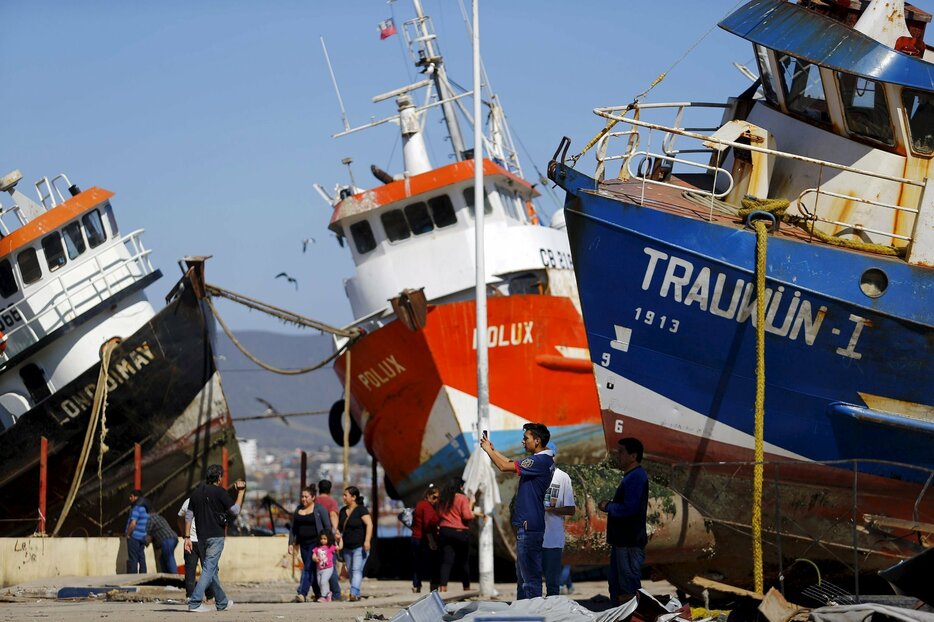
x=487, y=589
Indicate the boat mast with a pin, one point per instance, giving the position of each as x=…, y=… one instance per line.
x=487, y=586
x=434, y=64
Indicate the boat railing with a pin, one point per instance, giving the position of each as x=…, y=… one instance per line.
x=650, y=160
x=74, y=291
x=46, y=189
x=16, y=211
x=811, y=213
x=714, y=147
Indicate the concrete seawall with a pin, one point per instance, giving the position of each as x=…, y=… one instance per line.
x=28, y=559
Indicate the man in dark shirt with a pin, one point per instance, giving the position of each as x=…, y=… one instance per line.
x=212, y=508
x=528, y=519
x=625, y=524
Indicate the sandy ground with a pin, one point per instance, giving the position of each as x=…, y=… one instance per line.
x=252, y=602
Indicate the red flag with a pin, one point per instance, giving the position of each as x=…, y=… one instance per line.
x=387, y=28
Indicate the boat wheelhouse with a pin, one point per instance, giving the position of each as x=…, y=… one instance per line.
x=64, y=264
x=832, y=147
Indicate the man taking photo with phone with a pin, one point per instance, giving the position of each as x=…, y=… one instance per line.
x=528, y=519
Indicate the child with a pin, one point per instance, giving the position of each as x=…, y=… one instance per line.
x=323, y=555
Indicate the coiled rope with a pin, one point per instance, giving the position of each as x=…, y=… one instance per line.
x=98, y=413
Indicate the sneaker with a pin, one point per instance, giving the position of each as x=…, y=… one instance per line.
x=202, y=608
x=353, y=598
x=230, y=604
x=325, y=599
x=298, y=599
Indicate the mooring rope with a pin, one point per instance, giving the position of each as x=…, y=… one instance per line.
x=282, y=314
x=778, y=207
x=267, y=366
x=762, y=239
x=99, y=407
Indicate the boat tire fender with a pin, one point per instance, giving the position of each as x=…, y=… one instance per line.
x=336, y=425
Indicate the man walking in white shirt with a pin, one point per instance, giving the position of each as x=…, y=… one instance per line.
x=559, y=502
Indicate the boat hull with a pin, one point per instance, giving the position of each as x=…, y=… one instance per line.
x=669, y=308
x=414, y=395
x=164, y=393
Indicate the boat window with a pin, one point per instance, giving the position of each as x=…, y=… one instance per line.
x=34, y=378
x=94, y=228
x=442, y=211
x=765, y=71
x=865, y=108
x=7, y=280
x=419, y=220
x=29, y=266
x=363, y=236
x=111, y=219
x=74, y=241
x=468, y=198
x=919, y=106
x=804, y=91
x=395, y=225
x=54, y=251
x=508, y=202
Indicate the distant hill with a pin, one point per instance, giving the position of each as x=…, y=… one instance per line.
x=244, y=382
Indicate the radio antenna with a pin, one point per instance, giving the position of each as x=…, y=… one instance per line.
x=340, y=101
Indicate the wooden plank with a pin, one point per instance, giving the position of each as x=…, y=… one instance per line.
x=723, y=587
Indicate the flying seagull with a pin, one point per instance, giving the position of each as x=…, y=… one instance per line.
x=306, y=242
x=289, y=279
x=271, y=411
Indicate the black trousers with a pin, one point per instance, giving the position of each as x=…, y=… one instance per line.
x=455, y=546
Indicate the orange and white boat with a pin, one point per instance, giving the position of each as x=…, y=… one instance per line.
x=413, y=383
x=413, y=375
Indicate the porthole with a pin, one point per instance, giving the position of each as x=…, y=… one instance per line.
x=874, y=282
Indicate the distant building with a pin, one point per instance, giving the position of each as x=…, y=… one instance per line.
x=248, y=451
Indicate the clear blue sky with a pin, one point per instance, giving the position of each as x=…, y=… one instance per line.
x=211, y=120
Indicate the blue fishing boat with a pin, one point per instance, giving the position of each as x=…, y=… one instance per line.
x=816, y=180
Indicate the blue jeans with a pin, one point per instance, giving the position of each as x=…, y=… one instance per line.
x=135, y=556
x=551, y=565
x=213, y=547
x=566, y=578
x=355, y=559
x=167, y=555
x=309, y=569
x=335, y=584
x=625, y=571
x=528, y=563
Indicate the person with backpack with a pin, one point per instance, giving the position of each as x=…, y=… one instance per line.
x=213, y=509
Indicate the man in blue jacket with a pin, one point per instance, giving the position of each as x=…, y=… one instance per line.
x=625, y=524
x=528, y=518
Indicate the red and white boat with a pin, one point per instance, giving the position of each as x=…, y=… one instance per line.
x=413, y=383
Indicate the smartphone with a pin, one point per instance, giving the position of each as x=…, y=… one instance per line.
x=486, y=434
